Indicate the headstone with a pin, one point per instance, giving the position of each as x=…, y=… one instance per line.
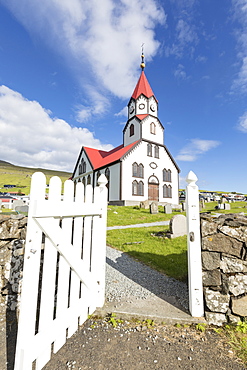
x=227, y=206
x=154, y=208
x=168, y=208
x=202, y=203
x=184, y=207
x=144, y=204
x=17, y=203
x=22, y=209
x=178, y=226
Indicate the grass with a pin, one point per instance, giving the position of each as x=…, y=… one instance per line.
x=21, y=177
x=236, y=207
x=130, y=215
x=168, y=256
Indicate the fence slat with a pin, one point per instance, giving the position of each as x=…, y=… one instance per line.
x=49, y=276
x=29, y=294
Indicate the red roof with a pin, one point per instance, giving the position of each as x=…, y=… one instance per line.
x=142, y=116
x=100, y=158
x=142, y=87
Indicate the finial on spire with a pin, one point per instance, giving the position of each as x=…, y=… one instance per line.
x=142, y=65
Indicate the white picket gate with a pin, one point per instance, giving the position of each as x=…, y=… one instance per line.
x=64, y=266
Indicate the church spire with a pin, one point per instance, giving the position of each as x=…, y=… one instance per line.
x=142, y=65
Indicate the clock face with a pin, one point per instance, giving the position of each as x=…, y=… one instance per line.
x=141, y=106
x=152, y=107
x=132, y=108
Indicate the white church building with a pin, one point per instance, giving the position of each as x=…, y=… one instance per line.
x=141, y=168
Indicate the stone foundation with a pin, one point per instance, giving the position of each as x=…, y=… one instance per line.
x=224, y=264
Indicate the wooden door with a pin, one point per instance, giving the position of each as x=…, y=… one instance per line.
x=153, y=192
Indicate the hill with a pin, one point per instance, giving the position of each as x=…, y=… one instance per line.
x=21, y=176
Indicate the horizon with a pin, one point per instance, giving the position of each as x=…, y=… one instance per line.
x=68, y=70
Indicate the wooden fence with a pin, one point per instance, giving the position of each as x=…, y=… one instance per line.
x=64, y=266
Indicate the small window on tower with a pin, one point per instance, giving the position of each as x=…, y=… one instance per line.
x=149, y=150
x=152, y=128
x=132, y=130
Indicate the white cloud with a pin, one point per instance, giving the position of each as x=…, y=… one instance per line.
x=240, y=13
x=123, y=112
x=242, y=124
x=101, y=40
x=30, y=136
x=195, y=148
x=180, y=72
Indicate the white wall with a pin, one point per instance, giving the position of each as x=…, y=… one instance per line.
x=137, y=134
x=140, y=156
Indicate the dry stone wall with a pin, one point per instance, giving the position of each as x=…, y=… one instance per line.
x=12, y=240
x=224, y=264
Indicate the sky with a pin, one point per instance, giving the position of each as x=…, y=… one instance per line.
x=69, y=67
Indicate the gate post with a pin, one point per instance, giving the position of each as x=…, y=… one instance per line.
x=194, y=247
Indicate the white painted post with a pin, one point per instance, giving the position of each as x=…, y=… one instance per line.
x=194, y=247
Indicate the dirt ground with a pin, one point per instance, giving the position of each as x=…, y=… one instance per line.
x=98, y=345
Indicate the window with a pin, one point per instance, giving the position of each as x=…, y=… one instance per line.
x=167, y=191
x=89, y=180
x=132, y=129
x=84, y=181
x=140, y=188
x=135, y=169
x=149, y=150
x=82, y=167
x=141, y=171
x=152, y=128
x=98, y=175
x=138, y=170
x=107, y=173
x=167, y=175
x=137, y=188
x=156, y=151
x=134, y=187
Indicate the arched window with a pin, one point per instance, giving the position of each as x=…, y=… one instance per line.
x=141, y=171
x=149, y=150
x=98, y=175
x=132, y=129
x=84, y=181
x=135, y=188
x=156, y=151
x=169, y=191
x=169, y=175
x=165, y=191
x=89, y=180
x=107, y=173
x=80, y=169
x=152, y=128
x=83, y=167
x=140, y=188
x=135, y=169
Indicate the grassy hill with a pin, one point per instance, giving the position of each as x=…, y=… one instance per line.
x=21, y=176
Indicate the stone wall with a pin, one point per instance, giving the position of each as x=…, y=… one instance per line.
x=12, y=239
x=224, y=264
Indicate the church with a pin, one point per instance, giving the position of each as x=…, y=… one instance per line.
x=141, y=168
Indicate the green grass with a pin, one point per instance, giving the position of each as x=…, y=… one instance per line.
x=21, y=177
x=130, y=215
x=168, y=256
x=236, y=207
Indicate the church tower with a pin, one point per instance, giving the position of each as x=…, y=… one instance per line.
x=143, y=122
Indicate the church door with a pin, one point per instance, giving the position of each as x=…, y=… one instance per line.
x=153, y=188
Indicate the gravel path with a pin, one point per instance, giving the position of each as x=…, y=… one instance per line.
x=127, y=278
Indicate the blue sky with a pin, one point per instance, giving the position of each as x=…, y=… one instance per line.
x=68, y=69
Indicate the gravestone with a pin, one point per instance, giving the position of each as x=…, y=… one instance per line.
x=144, y=204
x=178, y=226
x=168, y=208
x=154, y=208
x=227, y=206
x=202, y=203
x=22, y=208
x=17, y=203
